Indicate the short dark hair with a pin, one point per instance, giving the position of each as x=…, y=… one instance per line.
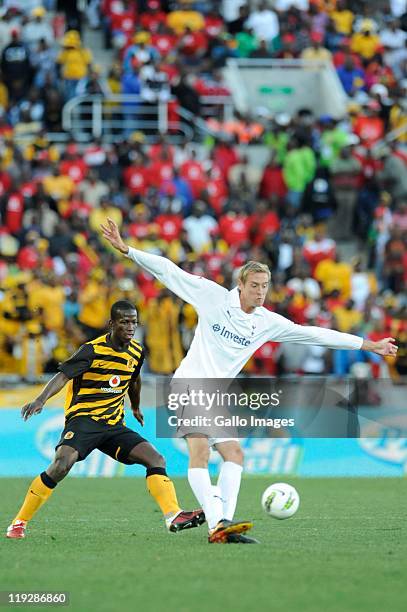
x=121, y=306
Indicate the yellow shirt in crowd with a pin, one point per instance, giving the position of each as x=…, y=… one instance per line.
x=180, y=20
x=95, y=305
x=51, y=300
x=74, y=63
x=366, y=46
x=334, y=276
x=58, y=187
x=347, y=320
x=343, y=21
x=321, y=54
x=100, y=215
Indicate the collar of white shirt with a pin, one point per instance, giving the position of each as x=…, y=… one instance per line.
x=234, y=302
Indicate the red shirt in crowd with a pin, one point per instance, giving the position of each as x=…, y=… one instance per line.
x=265, y=359
x=213, y=25
x=369, y=166
x=193, y=43
x=170, y=226
x=193, y=173
x=272, y=182
x=157, y=149
x=151, y=21
x=217, y=194
x=147, y=285
x=5, y=183
x=235, y=228
x=369, y=129
x=159, y=172
x=315, y=251
x=214, y=262
x=14, y=212
x=136, y=179
x=139, y=230
x=76, y=169
x=27, y=258
x=29, y=189
x=225, y=157
x=263, y=225
x=124, y=22
x=164, y=43
x=76, y=206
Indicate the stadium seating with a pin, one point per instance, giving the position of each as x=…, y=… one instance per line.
x=327, y=211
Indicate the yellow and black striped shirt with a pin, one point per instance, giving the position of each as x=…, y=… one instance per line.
x=100, y=377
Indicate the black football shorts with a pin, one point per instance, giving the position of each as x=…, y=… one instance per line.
x=84, y=435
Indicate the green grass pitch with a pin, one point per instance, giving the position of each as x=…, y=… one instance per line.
x=104, y=542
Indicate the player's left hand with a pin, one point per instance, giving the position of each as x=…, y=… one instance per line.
x=386, y=347
x=139, y=416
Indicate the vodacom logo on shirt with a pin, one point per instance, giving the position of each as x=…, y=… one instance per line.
x=114, y=382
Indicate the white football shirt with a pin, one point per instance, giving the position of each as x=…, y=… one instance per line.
x=226, y=337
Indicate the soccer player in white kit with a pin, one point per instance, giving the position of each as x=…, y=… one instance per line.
x=232, y=325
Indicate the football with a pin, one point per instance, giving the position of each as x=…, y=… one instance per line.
x=280, y=500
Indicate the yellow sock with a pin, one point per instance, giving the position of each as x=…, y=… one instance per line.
x=162, y=489
x=37, y=495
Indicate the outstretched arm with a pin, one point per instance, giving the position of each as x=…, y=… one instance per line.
x=193, y=289
x=284, y=330
x=54, y=386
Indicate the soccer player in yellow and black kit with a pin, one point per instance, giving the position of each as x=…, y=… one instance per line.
x=99, y=375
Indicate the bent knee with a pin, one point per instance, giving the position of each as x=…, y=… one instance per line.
x=235, y=454
x=159, y=461
x=60, y=468
x=199, y=456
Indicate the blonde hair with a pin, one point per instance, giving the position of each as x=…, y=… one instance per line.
x=252, y=267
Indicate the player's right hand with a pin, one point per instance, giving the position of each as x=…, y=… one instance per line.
x=112, y=234
x=30, y=409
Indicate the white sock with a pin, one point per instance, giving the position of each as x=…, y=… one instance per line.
x=208, y=496
x=229, y=479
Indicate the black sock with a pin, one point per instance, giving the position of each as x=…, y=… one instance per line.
x=48, y=481
x=156, y=470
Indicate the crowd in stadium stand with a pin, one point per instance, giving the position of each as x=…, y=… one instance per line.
x=327, y=182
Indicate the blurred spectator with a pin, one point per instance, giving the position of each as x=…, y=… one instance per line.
x=16, y=67
x=199, y=226
x=319, y=198
x=298, y=170
x=316, y=52
x=343, y=17
x=272, y=180
x=100, y=215
x=245, y=175
x=365, y=41
x=185, y=18
x=393, y=175
x=351, y=76
x=58, y=278
x=37, y=29
x=264, y=22
x=345, y=171
x=369, y=126
x=186, y=95
x=74, y=61
x=261, y=51
x=43, y=61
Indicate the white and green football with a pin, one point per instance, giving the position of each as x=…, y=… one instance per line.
x=280, y=500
